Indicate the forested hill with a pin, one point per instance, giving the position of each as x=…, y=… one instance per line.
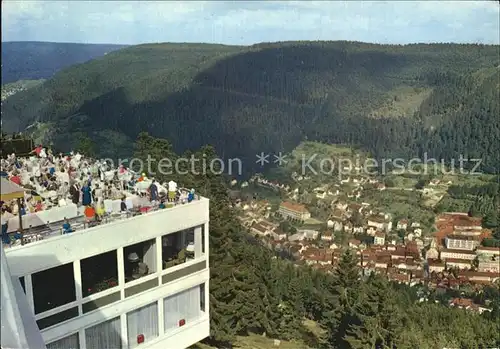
x=393, y=100
x=29, y=60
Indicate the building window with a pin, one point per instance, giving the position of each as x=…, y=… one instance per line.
x=177, y=248
x=182, y=308
x=142, y=322
x=53, y=287
x=104, y=335
x=57, y=318
x=203, y=238
x=23, y=284
x=140, y=260
x=99, y=273
x=202, y=297
x=70, y=342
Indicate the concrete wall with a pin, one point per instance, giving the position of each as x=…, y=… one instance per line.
x=45, y=254
x=38, y=256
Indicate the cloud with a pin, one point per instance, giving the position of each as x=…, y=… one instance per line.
x=248, y=22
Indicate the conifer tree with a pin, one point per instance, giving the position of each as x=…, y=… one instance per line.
x=379, y=316
x=344, y=289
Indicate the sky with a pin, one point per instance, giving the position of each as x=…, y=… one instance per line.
x=250, y=22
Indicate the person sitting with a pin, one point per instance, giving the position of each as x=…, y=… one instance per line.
x=142, y=177
x=162, y=204
x=67, y=227
x=38, y=206
x=100, y=211
x=18, y=238
x=191, y=195
x=5, y=225
x=22, y=208
x=89, y=213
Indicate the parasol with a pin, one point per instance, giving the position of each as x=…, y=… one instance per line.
x=10, y=191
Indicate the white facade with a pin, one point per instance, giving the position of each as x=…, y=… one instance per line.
x=385, y=225
x=299, y=213
x=457, y=254
x=488, y=251
x=167, y=308
x=19, y=329
x=457, y=242
x=489, y=266
x=379, y=239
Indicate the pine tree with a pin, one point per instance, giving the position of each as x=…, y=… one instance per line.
x=292, y=310
x=380, y=318
x=340, y=307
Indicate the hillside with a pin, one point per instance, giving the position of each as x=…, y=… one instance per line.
x=12, y=88
x=41, y=60
x=391, y=100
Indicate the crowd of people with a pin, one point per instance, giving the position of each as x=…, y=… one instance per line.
x=53, y=180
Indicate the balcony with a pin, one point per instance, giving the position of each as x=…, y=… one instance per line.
x=61, y=249
x=48, y=224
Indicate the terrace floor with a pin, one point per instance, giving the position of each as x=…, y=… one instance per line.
x=47, y=231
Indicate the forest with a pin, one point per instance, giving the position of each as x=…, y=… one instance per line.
x=251, y=291
x=391, y=100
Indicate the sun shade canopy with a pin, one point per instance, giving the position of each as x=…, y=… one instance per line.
x=10, y=190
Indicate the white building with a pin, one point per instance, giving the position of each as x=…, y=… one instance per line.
x=461, y=242
x=488, y=251
x=457, y=254
x=379, y=239
x=131, y=282
x=486, y=265
x=382, y=223
x=294, y=211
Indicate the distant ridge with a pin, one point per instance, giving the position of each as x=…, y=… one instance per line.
x=392, y=101
x=33, y=60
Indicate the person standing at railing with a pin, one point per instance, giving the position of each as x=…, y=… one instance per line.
x=172, y=191
x=75, y=193
x=86, y=197
x=123, y=206
x=37, y=150
x=153, y=191
x=5, y=226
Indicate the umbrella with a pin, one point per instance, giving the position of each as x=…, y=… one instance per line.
x=10, y=191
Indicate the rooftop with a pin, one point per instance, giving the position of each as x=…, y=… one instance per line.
x=449, y=250
x=50, y=229
x=462, y=237
x=293, y=207
x=47, y=201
